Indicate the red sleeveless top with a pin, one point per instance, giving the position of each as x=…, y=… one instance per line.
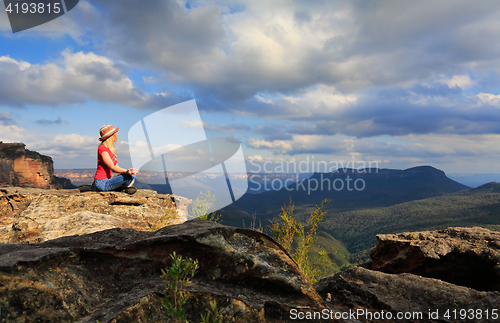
x=103, y=171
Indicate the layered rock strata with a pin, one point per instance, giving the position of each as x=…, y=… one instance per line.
x=22, y=167
x=414, y=298
x=468, y=257
x=29, y=215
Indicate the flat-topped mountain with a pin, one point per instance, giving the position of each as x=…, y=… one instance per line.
x=347, y=189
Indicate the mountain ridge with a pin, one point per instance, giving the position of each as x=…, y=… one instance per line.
x=381, y=187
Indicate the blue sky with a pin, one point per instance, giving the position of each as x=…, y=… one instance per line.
x=402, y=83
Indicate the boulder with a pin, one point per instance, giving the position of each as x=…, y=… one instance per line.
x=463, y=256
x=418, y=299
x=114, y=276
x=30, y=215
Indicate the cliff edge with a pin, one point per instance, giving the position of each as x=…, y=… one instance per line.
x=31, y=215
x=22, y=167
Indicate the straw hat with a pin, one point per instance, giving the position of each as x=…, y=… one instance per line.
x=107, y=131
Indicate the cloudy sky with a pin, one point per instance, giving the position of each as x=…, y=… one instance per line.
x=403, y=83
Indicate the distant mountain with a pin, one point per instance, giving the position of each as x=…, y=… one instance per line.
x=64, y=182
x=475, y=180
x=473, y=207
x=348, y=190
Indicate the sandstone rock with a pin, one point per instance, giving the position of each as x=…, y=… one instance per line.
x=464, y=256
x=79, y=223
x=114, y=276
x=363, y=289
x=30, y=215
x=22, y=167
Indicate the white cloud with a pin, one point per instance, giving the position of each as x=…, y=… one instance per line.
x=257, y=158
x=315, y=103
x=192, y=123
x=75, y=78
x=488, y=98
x=67, y=150
x=461, y=81
x=282, y=146
x=425, y=148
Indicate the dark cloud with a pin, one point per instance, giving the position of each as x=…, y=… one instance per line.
x=227, y=128
x=362, y=44
x=274, y=131
x=302, y=16
x=51, y=122
x=6, y=119
x=163, y=34
x=421, y=109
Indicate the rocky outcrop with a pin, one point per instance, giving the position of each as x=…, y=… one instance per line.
x=396, y=285
x=405, y=298
x=463, y=256
x=22, y=167
x=114, y=276
x=29, y=215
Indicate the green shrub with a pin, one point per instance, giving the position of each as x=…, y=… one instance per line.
x=292, y=235
x=212, y=314
x=201, y=205
x=163, y=220
x=176, y=278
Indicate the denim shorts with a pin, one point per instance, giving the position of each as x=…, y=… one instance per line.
x=110, y=184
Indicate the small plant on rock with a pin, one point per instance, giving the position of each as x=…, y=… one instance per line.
x=201, y=205
x=176, y=278
x=212, y=217
x=291, y=234
x=212, y=314
x=163, y=220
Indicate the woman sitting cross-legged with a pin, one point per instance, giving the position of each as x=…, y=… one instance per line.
x=107, y=163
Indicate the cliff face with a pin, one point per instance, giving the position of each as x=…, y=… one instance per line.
x=25, y=168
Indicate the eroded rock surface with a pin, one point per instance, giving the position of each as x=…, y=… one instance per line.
x=30, y=215
x=414, y=296
x=464, y=256
x=114, y=276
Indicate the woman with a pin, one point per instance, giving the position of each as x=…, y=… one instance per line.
x=106, y=163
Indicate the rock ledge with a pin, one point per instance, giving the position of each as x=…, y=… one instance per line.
x=32, y=215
